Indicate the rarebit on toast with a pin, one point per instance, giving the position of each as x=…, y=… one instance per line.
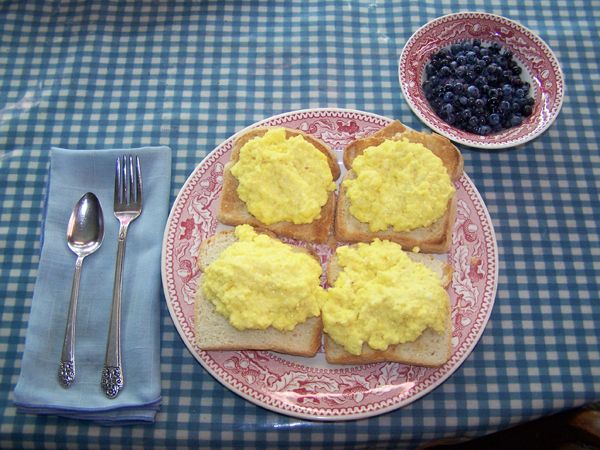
x=434, y=233
x=239, y=290
x=381, y=307
x=281, y=180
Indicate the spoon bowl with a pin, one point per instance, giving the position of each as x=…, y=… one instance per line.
x=85, y=233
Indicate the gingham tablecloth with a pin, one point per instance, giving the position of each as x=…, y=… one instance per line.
x=188, y=75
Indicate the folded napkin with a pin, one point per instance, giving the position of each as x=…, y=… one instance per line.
x=72, y=174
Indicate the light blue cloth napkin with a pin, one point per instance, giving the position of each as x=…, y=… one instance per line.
x=72, y=174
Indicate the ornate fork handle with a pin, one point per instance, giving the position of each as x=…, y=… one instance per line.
x=112, y=373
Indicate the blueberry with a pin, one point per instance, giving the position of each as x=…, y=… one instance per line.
x=480, y=81
x=494, y=119
x=527, y=110
x=445, y=71
x=504, y=105
x=447, y=108
x=520, y=93
x=492, y=68
x=448, y=97
x=516, y=82
x=463, y=100
x=507, y=90
x=516, y=120
x=484, y=130
x=458, y=88
x=471, y=57
x=473, y=91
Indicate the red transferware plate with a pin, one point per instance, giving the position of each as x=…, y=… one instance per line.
x=309, y=387
x=540, y=69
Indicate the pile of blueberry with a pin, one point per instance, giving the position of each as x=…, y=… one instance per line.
x=477, y=87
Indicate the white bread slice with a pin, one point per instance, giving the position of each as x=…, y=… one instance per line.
x=435, y=238
x=233, y=210
x=214, y=332
x=430, y=349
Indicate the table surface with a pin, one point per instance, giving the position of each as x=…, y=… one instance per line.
x=189, y=75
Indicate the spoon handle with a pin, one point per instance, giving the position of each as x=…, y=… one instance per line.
x=112, y=373
x=66, y=369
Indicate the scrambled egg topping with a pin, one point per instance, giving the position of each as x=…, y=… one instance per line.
x=259, y=282
x=398, y=184
x=382, y=297
x=283, y=179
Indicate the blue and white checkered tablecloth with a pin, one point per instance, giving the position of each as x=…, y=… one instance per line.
x=80, y=74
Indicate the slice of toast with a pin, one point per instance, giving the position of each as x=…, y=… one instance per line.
x=214, y=332
x=435, y=238
x=430, y=349
x=233, y=210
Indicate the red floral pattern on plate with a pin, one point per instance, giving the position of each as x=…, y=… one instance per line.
x=540, y=66
x=309, y=387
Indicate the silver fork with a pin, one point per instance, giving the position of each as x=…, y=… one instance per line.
x=127, y=208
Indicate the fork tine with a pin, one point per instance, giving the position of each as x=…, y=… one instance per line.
x=128, y=179
x=138, y=181
x=118, y=183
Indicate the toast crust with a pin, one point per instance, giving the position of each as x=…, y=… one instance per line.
x=214, y=332
x=233, y=210
x=435, y=238
x=429, y=350
x=400, y=353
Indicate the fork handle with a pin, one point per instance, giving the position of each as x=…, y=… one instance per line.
x=112, y=373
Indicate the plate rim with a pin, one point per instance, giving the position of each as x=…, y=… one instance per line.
x=290, y=412
x=471, y=143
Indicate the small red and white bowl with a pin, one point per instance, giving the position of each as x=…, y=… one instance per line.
x=540, y=69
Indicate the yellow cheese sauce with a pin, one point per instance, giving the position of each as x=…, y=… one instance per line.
x=398, y=184
x=283, y=179
x=382, y=297
x=259, y=282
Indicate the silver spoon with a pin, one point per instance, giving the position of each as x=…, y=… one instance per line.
x=84, y=236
